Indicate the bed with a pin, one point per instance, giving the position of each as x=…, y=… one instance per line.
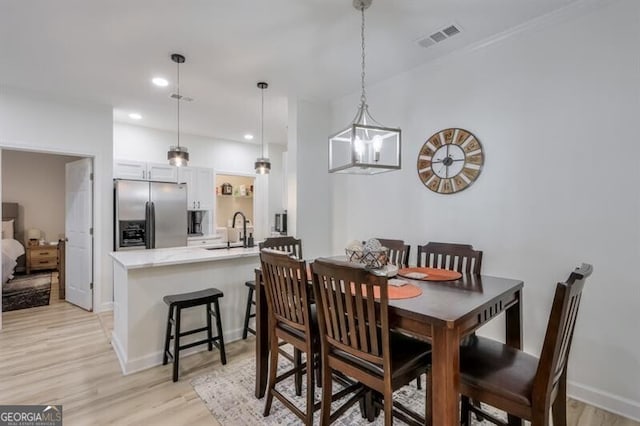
x=12, y=249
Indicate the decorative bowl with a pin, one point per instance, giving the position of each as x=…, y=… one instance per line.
x=374, y=259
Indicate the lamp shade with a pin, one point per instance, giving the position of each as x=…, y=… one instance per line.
x=178, y=155
x=33, y=234
x=365, y=149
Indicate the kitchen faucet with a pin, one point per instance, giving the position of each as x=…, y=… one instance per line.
x=244, y=226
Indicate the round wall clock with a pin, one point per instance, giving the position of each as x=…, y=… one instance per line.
x=450, y=161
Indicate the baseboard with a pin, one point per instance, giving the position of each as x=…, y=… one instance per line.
x=154, y=359
x=106, y=307
x=607, y=401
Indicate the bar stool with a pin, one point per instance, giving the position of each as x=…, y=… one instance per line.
x=178, y=302
x=248, y=315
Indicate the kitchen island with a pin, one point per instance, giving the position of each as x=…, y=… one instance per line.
x=141, y=278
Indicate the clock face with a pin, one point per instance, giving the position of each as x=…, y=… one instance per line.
x=450, y=161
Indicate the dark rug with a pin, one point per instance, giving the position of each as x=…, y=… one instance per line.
x=26, y=291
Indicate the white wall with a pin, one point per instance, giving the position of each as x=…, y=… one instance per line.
x=555, y=107
x=37, y=183
x=30, y=121
x=145, y=144
x=309, y=198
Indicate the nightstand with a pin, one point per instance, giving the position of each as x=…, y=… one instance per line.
x=42, y=258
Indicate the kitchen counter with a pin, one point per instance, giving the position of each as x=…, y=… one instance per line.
x=141, y=278
x=136, y=259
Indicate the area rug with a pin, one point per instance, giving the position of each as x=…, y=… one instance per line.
x=228, y=393
x=26, y=291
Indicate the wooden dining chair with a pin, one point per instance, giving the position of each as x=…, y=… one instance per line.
x=398, y=251
x=520, y=384
x=357, y=342
x=455, y=257
x=290, y=245
x=292, y=321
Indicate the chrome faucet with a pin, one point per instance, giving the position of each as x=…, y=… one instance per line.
x=244, y=226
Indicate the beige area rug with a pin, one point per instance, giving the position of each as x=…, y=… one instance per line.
x=228, y=394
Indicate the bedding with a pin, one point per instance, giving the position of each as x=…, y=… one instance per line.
x=11, y=250
x=7, y=229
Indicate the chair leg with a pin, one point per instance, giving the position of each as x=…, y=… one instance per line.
x=209, y=331
x=388, y=408
x=273, y=371
x=311, y=388
x=176, y=345
x=297, y=362
x=465, y=411
x=428, y=405
x=418, y=382
x=223, y=354
x=167, y=337
x=559, y=407
x=247, y=315
x=318, y=370
x=325, y=410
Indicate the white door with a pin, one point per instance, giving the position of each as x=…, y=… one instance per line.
x=78, y=230
x=188, y=175
x=205, y=189
x=162, y=172
x=134, y=170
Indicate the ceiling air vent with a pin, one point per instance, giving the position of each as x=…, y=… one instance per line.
x=181, y=97
x=439, y=36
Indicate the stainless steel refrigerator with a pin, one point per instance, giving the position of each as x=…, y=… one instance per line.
x=149, y=214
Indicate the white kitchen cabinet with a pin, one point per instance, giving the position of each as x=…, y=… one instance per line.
x=199, y=187
x=140, y=170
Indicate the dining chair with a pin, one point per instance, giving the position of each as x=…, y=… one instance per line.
x=456, y=257
x=521, y=384
x=287, y=244
x=291, y=320
x=398, y=251
x=356, y=340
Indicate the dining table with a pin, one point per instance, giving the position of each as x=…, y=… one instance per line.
x=443, y=314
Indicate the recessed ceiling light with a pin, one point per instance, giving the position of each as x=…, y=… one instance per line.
x=135, y=116
x=159, y=81
x=248, y=136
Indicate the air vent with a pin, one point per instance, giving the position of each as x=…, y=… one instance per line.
x=181, y=97
x=439, y=36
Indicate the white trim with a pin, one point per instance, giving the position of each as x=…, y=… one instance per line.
x=604, y=400
x=106, y=307
x=154, y=359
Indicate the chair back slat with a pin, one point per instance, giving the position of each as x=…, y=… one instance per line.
x=286, y=285
x=288, y=244
x=456, y=257
x=559, y=334
x=351, y=319
x=398, y=251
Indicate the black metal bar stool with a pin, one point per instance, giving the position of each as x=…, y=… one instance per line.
x=248, y=315
x=178, y=302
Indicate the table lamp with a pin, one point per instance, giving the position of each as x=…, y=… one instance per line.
x=33, y=235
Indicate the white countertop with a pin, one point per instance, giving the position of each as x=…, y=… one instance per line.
x=136, y=259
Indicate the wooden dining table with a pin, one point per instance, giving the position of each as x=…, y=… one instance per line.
x=443, y=314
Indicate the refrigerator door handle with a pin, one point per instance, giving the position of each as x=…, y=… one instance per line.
x=152, y=208
x=147, y=225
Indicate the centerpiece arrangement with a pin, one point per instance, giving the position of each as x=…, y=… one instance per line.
x=372, y=254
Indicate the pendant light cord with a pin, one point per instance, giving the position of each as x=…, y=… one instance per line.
x=262, y=122
x=178, y=100
x=363, y=96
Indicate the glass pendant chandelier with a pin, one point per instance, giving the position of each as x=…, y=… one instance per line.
x=178, y=155
x=263, y=165
x=365, y=147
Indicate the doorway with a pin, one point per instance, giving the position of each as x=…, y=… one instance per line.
x=53, y=195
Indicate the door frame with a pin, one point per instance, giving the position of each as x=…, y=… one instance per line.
x=96, y=241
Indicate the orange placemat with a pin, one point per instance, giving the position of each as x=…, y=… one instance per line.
x=433, y=274
x=406, y=291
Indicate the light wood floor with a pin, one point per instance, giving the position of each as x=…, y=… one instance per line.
x=60, y=354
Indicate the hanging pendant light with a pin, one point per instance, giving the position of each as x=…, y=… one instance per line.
x=263, y=165
x=178, y=155
x=365, y=146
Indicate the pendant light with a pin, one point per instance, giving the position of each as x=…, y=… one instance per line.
x=365, y=146
x=263, y=165
x=178, y=155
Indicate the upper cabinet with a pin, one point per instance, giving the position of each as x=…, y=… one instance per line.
x=140, y=170
x=199, y=187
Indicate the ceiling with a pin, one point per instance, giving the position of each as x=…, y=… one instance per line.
x=107, y=51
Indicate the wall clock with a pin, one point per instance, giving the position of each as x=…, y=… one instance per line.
x=450, y=161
